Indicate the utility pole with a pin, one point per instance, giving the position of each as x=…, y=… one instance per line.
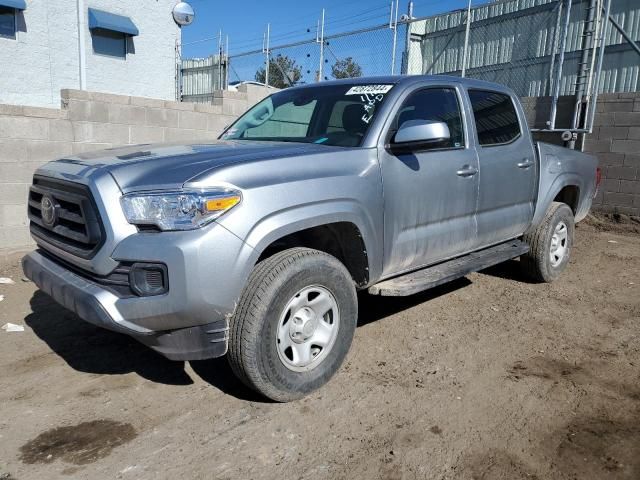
x=220, y=59
x=265, y=50
x=393, y=24
x=320, y=69
x=226, y=68
x=407, y=40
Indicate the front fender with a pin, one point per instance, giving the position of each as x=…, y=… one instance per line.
x=294, y=219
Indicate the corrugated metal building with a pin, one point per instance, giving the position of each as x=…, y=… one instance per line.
x=203, y=76
x=512, y=42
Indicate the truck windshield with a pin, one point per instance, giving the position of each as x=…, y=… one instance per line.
x=337, y=115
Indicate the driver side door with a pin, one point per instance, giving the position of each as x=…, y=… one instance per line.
x=430, y=193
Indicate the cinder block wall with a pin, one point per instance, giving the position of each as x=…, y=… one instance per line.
x=31, y=136
x=616, y=142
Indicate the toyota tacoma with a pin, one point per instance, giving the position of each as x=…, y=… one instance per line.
x=254, y=245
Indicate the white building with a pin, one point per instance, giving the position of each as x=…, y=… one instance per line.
x=114, y=46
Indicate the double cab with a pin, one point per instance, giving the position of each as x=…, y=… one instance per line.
x=254, y=245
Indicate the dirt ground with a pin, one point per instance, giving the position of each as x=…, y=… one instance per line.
x=490, y=377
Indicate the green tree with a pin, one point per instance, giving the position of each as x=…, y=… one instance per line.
x=346, y=68
x=283, y=72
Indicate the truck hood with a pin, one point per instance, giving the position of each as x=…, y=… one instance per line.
x=165, y=166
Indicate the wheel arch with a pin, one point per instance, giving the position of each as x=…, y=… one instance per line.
x=570, y=195
x=319, y=224
x=342, y=240
x=564, y=188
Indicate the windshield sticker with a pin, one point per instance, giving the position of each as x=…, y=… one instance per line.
x=321, y=140
x=369, y=89
x=370, y=102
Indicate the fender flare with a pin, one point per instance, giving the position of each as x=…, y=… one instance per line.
x=291, y=220
x=545, y=198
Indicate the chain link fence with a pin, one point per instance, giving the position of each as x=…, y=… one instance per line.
x=539, y=48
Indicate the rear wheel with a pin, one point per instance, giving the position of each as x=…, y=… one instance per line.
x=294, y=323
x=551, y=244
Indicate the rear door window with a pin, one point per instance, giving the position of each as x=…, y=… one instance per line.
x=495, y=116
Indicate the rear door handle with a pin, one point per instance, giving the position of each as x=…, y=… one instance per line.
x=467, y=171
x=526, y=163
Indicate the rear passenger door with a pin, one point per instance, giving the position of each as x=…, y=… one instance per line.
x=508, y=168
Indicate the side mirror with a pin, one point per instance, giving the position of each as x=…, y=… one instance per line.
x=420, y=133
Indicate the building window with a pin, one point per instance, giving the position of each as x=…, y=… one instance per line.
x=496, y=118
x=112, y=44
x=110, y=33
x=7, y=23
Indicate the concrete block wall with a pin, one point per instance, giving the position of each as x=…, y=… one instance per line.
x=31, y=136
x=616, y=143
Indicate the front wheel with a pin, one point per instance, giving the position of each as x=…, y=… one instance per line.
x=294, y=323
x=551, y=244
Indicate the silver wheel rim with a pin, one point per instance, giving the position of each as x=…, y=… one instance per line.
x=307, y=328
x=559, y=244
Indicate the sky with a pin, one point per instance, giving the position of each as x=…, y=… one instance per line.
x=245, y=21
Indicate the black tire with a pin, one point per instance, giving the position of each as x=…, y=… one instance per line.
x=537, y=262
x=253, y=353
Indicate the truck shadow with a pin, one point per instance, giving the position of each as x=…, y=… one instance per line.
x=372, y=308
x=90, y=349
x=509, y=270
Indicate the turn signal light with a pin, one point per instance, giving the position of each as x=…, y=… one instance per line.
x=222, y=203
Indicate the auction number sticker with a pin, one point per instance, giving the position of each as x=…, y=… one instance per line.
x=369, y=89
x=370, y=96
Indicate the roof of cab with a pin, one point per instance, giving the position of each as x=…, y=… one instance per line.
x=411, y=79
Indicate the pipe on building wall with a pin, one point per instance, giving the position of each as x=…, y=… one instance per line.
x=626, y=36
x=601, y=52
x=583, y=67
x=467, y=30
x=563, y=46
x=82, y=60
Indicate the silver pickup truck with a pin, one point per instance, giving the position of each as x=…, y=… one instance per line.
x=254, y=245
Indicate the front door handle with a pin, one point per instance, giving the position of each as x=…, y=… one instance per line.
x=526, y=163
x=467, y=171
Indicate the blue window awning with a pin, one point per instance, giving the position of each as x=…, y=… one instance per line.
x=17, y=4
x=99, y=20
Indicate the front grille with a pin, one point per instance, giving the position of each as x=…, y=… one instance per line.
x=76, y=226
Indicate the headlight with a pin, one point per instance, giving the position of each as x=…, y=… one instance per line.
x=183, y=210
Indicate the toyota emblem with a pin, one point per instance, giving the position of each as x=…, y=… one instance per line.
x=48, y=209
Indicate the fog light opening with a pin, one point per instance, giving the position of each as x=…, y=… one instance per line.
x=148, y=279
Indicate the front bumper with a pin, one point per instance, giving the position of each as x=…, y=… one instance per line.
x=207, y=270
x=97, y=306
